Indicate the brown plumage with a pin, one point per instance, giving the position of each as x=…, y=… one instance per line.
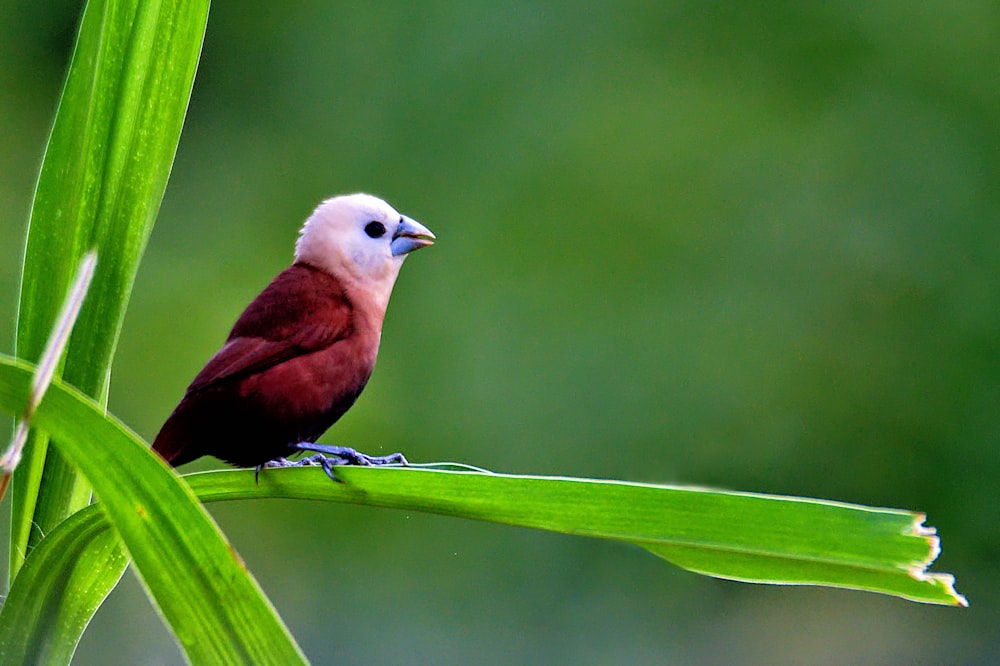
x=301, y=353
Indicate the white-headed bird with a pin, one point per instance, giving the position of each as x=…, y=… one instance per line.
x=301, y=353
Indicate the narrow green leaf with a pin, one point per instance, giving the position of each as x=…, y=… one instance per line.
x=755, y=538
x=307, y=484
x=59, y=589
x=46, y=369
x=102, y=178
x=913, y=583
x=742, y=536
x=204, y=592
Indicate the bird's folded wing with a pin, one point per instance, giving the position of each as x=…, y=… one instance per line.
x=302, y=311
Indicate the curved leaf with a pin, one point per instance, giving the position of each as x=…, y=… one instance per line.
x=743, y=536
x=204, y=592
x=740, y=536
x=59, y=589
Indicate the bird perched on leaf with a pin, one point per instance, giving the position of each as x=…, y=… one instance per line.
x=303, y=350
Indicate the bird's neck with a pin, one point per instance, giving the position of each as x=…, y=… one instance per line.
x=368, y=302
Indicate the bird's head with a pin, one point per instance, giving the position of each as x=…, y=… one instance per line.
x=361, y=240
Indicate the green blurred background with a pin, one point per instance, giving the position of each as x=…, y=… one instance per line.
x=753, y=246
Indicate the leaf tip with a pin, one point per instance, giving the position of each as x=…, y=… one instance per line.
x=918, y=569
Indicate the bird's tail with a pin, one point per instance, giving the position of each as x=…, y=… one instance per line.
x=173, y=441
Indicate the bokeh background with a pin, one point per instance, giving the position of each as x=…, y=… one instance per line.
x=747, y=245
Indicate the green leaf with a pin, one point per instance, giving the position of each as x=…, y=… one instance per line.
x=888, y=530
x=59, y=589
x=742, y=536
x=101, y=182
x=204, y=592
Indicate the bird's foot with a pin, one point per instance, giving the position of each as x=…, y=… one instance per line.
x=348, y=456
x=277, y=462
x=329, y=456
x=317, y=459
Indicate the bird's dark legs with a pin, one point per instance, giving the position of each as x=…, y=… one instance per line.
x=328, y=456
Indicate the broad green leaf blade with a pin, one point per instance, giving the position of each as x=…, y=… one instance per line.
x=307, y=484
x=741, y=536
x=59, y=589
x=211, y=602
x=101, y=182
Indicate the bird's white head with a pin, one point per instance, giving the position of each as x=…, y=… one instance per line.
x=361, y=240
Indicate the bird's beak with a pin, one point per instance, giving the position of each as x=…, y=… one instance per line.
x=410, y=235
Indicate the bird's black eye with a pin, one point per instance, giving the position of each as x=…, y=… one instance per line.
x=375, y=229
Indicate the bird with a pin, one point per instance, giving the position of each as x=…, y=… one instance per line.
x=303, y=350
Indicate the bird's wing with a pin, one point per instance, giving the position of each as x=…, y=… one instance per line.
x=303, y=310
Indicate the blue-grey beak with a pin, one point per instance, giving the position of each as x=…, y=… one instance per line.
x=410, y=235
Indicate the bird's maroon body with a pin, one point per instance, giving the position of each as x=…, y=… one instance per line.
x=295, y=361
x=303, y=350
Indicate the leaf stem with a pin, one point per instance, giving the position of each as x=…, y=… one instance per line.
x=48, y=363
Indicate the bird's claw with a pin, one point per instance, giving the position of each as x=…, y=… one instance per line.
x=330, y=456
x=318, y=459
x=277, y=462
x=351, y=456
